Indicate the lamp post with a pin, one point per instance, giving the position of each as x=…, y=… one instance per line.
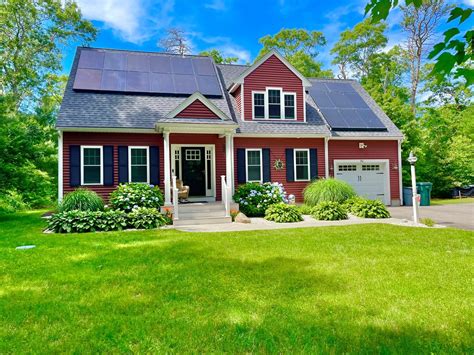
x=412, y=160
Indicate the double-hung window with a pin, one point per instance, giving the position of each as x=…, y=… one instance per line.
x=274, y=104
x=254, y=165
x=258, y=105
x=301, y=164
x=139, y=169
x=91, y=165
x=290, y=105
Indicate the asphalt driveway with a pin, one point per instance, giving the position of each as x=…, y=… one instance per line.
x=458, y=215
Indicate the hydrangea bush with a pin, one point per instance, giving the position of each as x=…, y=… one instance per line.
x=133, y=195
x=254, y=198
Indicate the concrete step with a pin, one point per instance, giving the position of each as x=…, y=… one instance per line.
x=202, y=207
x=193, y=221
x=185, y=214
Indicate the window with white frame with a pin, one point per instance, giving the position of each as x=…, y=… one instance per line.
x=254, y=165
x=139, y=168
x=274, y=104
x=91, y=165
x=301, y=164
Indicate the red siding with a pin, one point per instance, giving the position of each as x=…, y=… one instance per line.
x=115, y=139
x=275, y=74
x=342, y=149
x=238, y=98
x=277, y=151
x=197, y=110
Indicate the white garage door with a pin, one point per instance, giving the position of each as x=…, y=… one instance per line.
x=368, y=179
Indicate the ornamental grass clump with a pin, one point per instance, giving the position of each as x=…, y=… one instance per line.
x=283, y=213
x=325, y=190
x=81, y=200
x=129, y=196
x=254, y=198
x=329, y=211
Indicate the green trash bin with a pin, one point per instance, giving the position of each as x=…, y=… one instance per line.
x=424, y=189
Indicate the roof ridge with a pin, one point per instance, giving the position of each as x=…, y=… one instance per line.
x=147, y=52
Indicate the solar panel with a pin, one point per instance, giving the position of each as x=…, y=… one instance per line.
x=146, y=73
x=344, y=108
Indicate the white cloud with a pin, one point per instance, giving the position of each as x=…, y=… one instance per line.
x=132, y=20
x=218, y=5
x=468, y=2
x=224, y=44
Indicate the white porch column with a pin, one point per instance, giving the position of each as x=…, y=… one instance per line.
x=60, y=166
x=326, y=157
x=166, y=149
x=228, y=160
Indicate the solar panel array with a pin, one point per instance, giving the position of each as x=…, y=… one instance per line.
x=146, y=73
x=343, y=107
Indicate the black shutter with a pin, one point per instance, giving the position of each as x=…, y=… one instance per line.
x=290, y=165
x=108, y=165
x=313, y=163
x=154, y=165
x=241, y=174
x=123, y=164
x=74, y=165
x=266, y=165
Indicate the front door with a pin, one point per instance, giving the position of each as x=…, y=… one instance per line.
x=194, y=170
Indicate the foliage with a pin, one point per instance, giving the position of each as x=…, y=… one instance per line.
x=299, y=47
x=146, y=218
x=82, y=200
x=11, y=201
x=427, y=222
x=254, y=198
x=329, y=211
x=327, y=190
x=87, y=221
x=347, y=204
x=305, y=209
x=128, y=196
x=283, y=213
x=370, y=209
x=233, y=214
x=219, y=57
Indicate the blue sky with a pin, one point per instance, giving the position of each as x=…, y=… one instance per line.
x=231, y=26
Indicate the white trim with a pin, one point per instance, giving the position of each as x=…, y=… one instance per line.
x=278, y=135
x=178, y=127
x=400, y=172
x=60, y=166
x=247, y=164
x=101, y=164
x=370, y=138
x=166, y=157
x=388, y=196
x=242, y=107
x=294, y=163
x=106, y=130
x=197, y=96
x=264, y=93
x=326, y=157
x=266, y=105
x=284, y=106
x=210, y=194
x=147, y=148
x=240, y=79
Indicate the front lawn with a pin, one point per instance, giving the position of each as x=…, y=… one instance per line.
x=362, y=288
x=451, y=201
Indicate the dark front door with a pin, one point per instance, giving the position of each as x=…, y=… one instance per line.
x=194, y=170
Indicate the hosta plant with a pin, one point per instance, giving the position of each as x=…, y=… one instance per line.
x=305, y=209
x=129, y=196
x=370, y=209
x=87, y=221
x=324, y=190
x=283, y=213
x=254, y=198
x=329, y=211
x=146, y=218
x=81, y=200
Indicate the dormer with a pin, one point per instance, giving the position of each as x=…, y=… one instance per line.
x=271, y=90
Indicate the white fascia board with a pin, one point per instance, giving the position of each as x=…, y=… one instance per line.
x=106, y=130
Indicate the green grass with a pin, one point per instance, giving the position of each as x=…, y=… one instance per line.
x=452, y=201
x=362, y=288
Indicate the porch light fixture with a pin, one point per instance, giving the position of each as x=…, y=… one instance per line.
x=362, y=145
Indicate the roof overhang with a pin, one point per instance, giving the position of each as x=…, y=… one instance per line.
x=240, y=79
x=175, y=127
x=206, y=102
x=106, y=129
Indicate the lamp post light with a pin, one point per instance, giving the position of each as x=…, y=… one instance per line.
x=412, y=160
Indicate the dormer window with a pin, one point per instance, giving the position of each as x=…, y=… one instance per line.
x=273, y=104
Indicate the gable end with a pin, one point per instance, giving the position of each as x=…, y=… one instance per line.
x=196, y=110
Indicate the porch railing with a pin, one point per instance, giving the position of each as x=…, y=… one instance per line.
x=226, y=195
x=175, y=199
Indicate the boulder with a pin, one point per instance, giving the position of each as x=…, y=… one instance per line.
x=241, y=218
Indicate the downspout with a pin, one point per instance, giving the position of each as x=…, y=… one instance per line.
x=60, y=166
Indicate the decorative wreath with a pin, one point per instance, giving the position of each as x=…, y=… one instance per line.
x=278, y=164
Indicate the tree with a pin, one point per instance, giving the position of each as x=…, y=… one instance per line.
x=175, y=42
x=420, y=25
x=299, y=47
x=219, y=57
x=357, y=48
x=455, y=50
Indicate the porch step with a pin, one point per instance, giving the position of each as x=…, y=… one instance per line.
x=207, y=220
x=201, y=207
x=201, y=213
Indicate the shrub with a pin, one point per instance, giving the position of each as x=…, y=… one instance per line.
x=81, y=200
x=254, y=198
x=329, y=211
x=146, y=218
x=87, y=221
x=129, y=196
x=283, y=213
x=370, y=209
x=350, y=202
x=11, y=201
x=305, y=209
x=327, y=190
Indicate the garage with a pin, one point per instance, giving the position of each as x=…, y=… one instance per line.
x=369, y=178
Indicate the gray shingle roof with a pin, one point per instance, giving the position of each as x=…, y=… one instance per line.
x=81, y=109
